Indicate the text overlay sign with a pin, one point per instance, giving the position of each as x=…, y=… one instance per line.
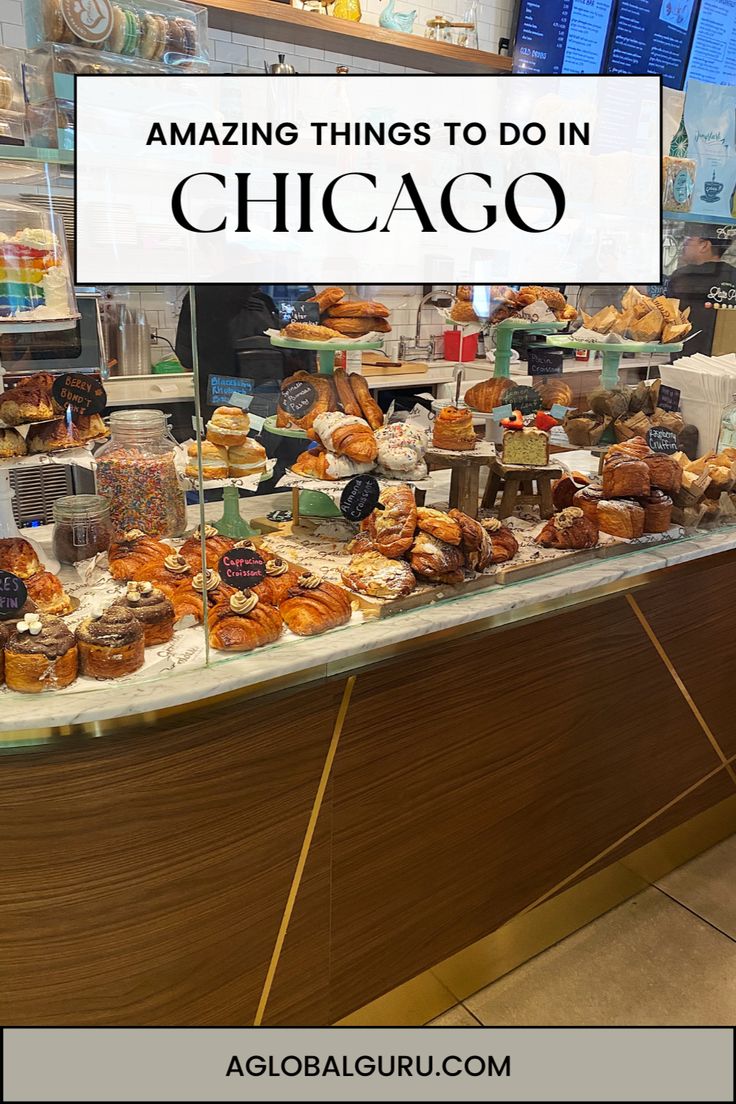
x=316, y=179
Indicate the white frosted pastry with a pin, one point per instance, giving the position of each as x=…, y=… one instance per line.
x=341, y=467
x=325, y=424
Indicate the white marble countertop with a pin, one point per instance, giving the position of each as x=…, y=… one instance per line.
x=321, y=656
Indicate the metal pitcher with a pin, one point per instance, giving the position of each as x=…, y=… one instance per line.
x=280, y=68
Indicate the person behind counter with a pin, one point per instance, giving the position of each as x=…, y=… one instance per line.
x=232, y=320
x=701, y=270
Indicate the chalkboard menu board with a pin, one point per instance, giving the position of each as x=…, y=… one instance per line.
x=242, y=568
x=668, y=398
x=229, y=391
x=661, y=440
x=83, y=392
x=360, y=497
x=297, y=312
x=298, y=398
x=13, y=595
x=543, y=361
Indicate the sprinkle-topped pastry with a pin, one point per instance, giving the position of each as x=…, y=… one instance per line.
x=40, y=655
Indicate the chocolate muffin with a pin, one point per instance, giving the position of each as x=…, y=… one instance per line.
x=111, y=645
x=152, y=609
x=40, y=654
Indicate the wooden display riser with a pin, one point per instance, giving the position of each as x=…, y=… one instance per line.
x=146, y=873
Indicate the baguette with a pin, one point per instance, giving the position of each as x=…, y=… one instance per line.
x=345, y=395
x=370, y=409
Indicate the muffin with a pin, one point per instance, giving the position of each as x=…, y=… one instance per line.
x=111, y=645
x=40, y=655
x=246, y=459
x=153, y=609
x=228, y=426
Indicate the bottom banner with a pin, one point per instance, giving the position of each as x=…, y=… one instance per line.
x=485, y=1063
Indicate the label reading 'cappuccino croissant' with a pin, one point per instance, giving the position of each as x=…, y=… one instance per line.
x=82, y=392
x=661, y=440
x=360, y=497
x=13, y=595
x=298, y=398
x=242, y=568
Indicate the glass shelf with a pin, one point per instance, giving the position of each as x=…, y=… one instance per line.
x=689, y=216
x=36, y=155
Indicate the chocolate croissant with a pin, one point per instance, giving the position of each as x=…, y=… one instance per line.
x=135, y=552
x=243, y=623
x=313, y=606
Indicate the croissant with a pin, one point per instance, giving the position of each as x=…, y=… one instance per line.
x=439, y=525
x=363, y=542
x=233, y=631
x=135, y=552
x=569, y=529
x=327, y=298
x=359, y=308
x=371, y=573
x=587, y=500
x=392, y=529
x=215, y=545
x=167, y=575
x=359, y=327
x=504, y=544
x=280, y=578
x=187, y=597
x=345, y=395
x=313, y=606
x=312, y=463
x=565, y=489
x=18, y=556
x=326, y=400
x=48, y=594
x=635, y=447
x=476, y=545
x=487, y=394
x=346, y=435
x=369, y=407
x=437, y=561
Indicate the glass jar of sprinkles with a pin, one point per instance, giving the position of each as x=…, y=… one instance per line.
x=137, y=474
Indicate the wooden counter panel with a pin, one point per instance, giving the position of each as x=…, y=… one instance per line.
x=472, y=778
x=144, y=877
x=694, y=617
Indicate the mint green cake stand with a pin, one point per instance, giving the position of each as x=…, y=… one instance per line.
x=326, y=350
x=311, y=503
x=503, y=335
x=611, y=353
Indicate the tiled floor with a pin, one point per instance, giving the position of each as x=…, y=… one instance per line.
x=667, y=956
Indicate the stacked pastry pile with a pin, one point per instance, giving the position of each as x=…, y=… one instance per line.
x=238, y=620
x=708, y=490
x=512, y=303
x=635, y=495
x=631, y=412
x=351, y=317
x=490, y=393
x=31, y=403
x=401, y=543
x=228, y=451
x=640, y=319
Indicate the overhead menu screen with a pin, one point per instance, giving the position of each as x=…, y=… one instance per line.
x=561, y=36
x=652, y=36
x=713, y=53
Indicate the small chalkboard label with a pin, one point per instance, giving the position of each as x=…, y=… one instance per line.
x=500, y=412
x=13, y=595
x=242, y=568
x=360, y=497
x=669, y=398
x=298, y=398
x=661, y=440
x=297, y=312
x=229, y=391
x=543, y=361
x=82, y=392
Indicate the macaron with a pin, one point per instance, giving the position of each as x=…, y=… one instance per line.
x=153, y=37
x=132, y=33
x=117, y=34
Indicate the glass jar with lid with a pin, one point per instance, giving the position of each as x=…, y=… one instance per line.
x=81, y=527
x=137, y=473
